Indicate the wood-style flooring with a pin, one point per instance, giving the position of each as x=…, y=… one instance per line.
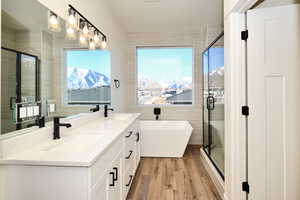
x=173, y=179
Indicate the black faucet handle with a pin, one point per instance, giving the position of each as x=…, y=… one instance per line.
x=67, y=125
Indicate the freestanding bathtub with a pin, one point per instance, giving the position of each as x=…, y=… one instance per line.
x=164, y=138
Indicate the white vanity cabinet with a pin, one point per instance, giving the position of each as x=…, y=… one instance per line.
x=118, y=177
x=107, y=176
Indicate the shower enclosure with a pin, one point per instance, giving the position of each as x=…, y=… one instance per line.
x=213, y=103
x=19, y=83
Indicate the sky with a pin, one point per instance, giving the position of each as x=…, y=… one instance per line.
x=95, y=60
x=216, y=59
x=165, y=64
x=158, y=64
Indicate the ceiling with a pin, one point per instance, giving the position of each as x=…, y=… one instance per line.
x=166, y=15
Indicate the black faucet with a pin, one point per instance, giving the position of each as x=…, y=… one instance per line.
x=40, y=122
x=56, y=125
x=106, y=109
x=97, y=108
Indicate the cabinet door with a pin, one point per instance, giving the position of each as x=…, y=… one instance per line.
x=100, y=192
x=115, y=179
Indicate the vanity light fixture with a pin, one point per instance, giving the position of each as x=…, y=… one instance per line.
x=88, y=33
x=53, y=22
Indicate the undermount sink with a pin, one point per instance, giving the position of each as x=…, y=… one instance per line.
x=119, y=117
x=76, y=143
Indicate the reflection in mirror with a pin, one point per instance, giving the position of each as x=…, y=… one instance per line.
x=44, y=73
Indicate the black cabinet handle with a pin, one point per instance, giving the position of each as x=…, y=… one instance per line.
x=130, y=133
x=131, y=177
x=130, y=152
x=137, y=136
x=113, y=179
x=116, y=173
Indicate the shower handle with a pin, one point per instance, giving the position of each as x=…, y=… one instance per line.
x=210, y=103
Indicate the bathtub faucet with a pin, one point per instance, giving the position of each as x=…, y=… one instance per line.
x=157, y=112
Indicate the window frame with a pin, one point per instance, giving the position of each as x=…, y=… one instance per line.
x=64, y=79
x=164, y=47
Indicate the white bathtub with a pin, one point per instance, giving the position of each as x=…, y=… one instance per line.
x=164, y=138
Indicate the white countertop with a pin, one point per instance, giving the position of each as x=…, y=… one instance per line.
x=79, y=146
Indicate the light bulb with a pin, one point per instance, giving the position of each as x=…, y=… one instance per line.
x=85, y=30
x=96, y=38
x=92, y=45
x=103, y=44
x=82, y=40
x=72, y=20
x=53, y=20
x=70, y=33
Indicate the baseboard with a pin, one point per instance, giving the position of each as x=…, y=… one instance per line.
x=214, y=175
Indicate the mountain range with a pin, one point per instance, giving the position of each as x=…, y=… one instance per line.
x=147, y=83
x=79, y=78
x=216, y=77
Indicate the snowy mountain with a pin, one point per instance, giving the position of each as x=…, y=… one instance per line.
x=148, y=83
x=84, y=79
x=216, y=78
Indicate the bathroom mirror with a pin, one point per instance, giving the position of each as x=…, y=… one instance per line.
x=45, y=71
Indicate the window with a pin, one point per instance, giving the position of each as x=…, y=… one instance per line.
x=164, y=76
x=88, y=77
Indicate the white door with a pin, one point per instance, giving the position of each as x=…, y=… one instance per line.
x=274, y=103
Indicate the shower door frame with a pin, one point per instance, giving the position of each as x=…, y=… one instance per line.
x=19, y=77
x=208, y=152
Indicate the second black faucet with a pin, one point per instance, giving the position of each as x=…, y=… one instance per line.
x=106, y=109
x=56, y=125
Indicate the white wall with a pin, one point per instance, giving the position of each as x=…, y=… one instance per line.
x=97, y=12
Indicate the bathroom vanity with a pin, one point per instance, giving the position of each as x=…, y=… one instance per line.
x=95, y=159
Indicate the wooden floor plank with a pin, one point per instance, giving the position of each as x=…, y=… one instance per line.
x=173, y=179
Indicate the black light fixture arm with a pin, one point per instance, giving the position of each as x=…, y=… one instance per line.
x=86, y=20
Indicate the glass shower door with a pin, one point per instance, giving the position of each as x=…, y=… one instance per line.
x=213, y=103
x=19, y=83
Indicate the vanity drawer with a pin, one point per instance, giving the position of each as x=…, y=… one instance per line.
x=99, y=168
